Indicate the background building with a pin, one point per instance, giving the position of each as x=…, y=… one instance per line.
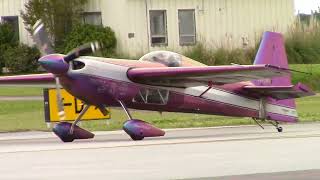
x=145, y=25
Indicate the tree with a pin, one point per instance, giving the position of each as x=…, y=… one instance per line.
x=59, y=16
x=8, y=39
x=22, y=59
x=84, y=33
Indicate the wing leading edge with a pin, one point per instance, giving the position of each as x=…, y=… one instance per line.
x=195, y=76
x=28, y=79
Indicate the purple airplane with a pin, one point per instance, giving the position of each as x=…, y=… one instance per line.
x=167, y=81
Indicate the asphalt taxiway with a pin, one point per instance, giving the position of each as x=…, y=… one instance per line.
x=245, y=152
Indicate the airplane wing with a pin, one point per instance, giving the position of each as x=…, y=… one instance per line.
x=28, y=79
x=281, y=92
x=195, y=76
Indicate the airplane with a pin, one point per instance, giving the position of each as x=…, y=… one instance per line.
x=166, y=81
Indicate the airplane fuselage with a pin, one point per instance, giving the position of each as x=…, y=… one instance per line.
x=106, y=82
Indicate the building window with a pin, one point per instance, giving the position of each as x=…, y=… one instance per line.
x=93, y=18
x=13, y=21
x=187, y=27
x=158, y=27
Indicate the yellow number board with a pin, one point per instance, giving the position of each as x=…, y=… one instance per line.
x=72, y=107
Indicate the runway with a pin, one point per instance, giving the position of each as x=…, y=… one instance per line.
x=245, y=152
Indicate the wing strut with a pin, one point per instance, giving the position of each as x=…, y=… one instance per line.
x=210, y=85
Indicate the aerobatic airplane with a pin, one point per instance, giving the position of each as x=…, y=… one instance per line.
x=167, y=81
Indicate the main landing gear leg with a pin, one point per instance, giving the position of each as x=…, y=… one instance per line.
x=138, y=129
x=68, y=132
x=276, y=124
x=125, y=109
x=255, y=120
x=78, y=119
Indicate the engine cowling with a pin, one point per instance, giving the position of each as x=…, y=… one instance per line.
x=138, y=129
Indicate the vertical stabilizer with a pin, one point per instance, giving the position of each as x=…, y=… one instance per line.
x=272, y=51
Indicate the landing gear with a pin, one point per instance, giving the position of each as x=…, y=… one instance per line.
x=256, y=120
x=276, y=124
x=279, y=129
x=137, y=138
x=68, y=132
x=62, y=130
x=78, y=119
x=138, y=129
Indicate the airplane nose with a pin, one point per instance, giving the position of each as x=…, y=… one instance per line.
x=54, y=64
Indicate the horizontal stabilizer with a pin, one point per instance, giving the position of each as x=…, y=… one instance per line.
x=281, y=92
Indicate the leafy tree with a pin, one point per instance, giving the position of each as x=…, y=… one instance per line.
x=59, y=16
x=84, y=33
x=8, y=39
x=21, y=58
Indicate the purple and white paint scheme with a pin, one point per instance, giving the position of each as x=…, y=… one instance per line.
x=166, y=81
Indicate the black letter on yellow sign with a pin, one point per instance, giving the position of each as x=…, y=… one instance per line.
x=76, y=109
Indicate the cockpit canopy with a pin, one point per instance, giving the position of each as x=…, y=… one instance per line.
x=169, y=59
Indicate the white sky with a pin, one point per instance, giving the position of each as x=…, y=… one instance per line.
x=305, y=6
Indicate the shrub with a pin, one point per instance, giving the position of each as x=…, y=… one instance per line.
x=220, y=56
x=7, y=35
x=201, y=53
x=22, y=59
x=303, y=41
x=8, y=39
x=84, y=33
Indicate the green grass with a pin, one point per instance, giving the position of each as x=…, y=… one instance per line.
x=313, y=80
x=28, y=115
x=21, y=115
x=20, y=91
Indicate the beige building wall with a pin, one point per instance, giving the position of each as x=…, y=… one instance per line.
x=13, y=8
x=124, y=17
x=93, y=6
x=230, y=23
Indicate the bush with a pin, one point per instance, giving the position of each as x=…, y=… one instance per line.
x=84, y=33
x=303, y=41
x=8, y=39
x=22, y=59
x=7, y=35
x=220, y=56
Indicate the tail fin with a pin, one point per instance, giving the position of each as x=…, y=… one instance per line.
x=272, y=51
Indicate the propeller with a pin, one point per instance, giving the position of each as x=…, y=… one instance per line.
x=41, y=38
x=82, y=50
x=43, y=42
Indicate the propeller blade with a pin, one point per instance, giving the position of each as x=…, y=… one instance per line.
x=82, y=50
x=61, y=113
x=41, y=38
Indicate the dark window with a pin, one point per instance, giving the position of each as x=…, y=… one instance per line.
x=93, y=18
x=13, y=21
x=76, y=65
x=158, y=27
x=187, y=27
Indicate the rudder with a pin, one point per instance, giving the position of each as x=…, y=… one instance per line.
x=272, y=51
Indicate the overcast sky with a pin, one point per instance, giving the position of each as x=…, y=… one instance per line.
x=305, y=6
